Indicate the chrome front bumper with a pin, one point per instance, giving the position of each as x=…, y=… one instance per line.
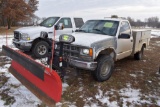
x=22, y=45
x=84, y=65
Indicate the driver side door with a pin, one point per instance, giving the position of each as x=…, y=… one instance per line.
x=124, y=41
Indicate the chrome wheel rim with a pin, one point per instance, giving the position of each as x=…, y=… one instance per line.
x=106, y=67
x=42, y=50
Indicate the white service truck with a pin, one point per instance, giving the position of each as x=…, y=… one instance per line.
x=99, y=43
x=29, y=38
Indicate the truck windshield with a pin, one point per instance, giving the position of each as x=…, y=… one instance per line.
x=49, y=22
x=105, y=27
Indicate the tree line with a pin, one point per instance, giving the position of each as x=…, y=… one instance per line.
x=14, y=11
x=21, y=12
x=149, y=22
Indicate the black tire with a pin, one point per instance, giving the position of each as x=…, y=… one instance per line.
x=103, y=63
x=139, y=55
x=40, y=49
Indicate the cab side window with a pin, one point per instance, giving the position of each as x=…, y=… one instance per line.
x=66, y=22
x=125, y=28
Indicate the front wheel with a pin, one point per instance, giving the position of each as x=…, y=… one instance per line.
x=104, y=68
x=40, y=49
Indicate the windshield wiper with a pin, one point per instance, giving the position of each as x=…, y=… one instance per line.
x=99, y=31
x=80, y=30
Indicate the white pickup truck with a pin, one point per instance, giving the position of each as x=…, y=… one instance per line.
x=99, y=43
x=29, y=39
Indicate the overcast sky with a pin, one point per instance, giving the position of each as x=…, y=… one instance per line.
x=137, y=9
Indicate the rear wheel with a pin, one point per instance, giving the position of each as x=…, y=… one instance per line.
x=104, y=68
x=40, y=49
x=139, y=55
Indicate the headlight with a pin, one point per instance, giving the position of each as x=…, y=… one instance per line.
x=87, y=52
x=25, y=36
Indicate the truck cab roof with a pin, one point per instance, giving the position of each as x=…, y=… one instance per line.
x=113, y=19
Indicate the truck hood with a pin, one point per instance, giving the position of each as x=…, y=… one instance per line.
x=32, y=29
x=87, y=39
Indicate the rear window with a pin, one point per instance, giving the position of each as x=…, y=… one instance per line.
x=78, y=22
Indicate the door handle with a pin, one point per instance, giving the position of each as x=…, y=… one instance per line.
x=131, y=40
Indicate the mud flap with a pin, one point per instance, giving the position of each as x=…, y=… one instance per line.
x=46, y=85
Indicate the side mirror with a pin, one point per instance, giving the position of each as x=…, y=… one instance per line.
x=77, y=30
x=124, y=36
x=60, y=26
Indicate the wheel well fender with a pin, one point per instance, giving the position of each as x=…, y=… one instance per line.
x=39, y=39
x=144, y=45
x=108, y=51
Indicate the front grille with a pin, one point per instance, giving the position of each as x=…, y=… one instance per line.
x=17, y=35
x=70, y=50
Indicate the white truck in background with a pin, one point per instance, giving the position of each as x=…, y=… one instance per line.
x=99, y=43
x=29, y=38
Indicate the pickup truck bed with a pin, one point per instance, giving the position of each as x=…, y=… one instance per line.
x=139, y=38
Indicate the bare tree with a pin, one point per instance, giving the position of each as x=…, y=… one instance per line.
x=139, y=23
x=2, y=19
x=153, y=21
x=13, y=12
x=132, y=22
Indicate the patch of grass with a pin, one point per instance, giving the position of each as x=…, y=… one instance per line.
x=9, y=100
x=80, y=102
x=3, y=30
x=144, y=97
x=112, y=98
x=3, y=79
x=14, y=86
x=65, y=105
x=2, y=63
x=4, y=60
x=154, y=101
x=128, y=104
x=1, y=53
x=42, y=105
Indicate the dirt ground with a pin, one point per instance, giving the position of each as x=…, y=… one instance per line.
x=140, y=75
